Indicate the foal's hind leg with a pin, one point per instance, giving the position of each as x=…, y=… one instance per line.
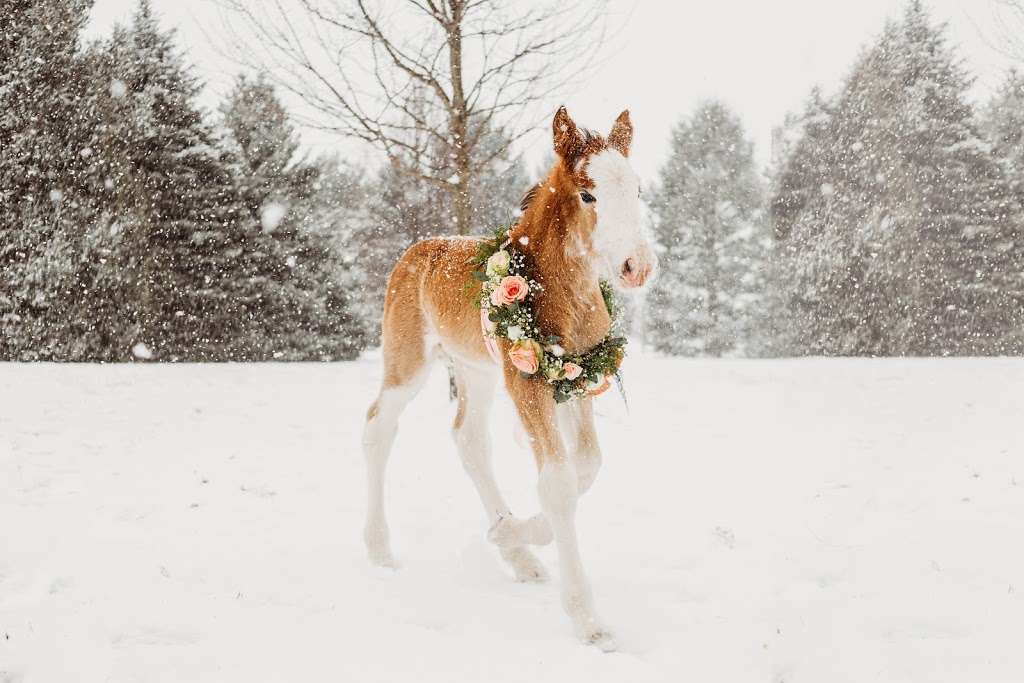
x=475, y=396
x=405, y=371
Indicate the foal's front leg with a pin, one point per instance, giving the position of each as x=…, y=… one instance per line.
x=576, y=420
x=558, y=488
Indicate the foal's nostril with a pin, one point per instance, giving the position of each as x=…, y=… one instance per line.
x=628, y=267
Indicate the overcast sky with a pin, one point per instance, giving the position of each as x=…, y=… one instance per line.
x=761, y=57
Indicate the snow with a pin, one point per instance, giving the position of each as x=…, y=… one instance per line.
x=141, y=351
x=118, y=88
x=272, y=215
x=814, y=520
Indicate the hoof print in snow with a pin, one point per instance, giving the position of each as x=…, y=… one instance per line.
x=260, y=492
x=383, y=559
x=724, y=536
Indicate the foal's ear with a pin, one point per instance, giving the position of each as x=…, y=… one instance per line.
x=568, y=143
x=621, y=136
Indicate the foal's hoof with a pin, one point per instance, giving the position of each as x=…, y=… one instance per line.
x=601, y=639
x=527, y=568
x=382, y=557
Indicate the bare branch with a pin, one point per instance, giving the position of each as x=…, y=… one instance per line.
x=424, y=81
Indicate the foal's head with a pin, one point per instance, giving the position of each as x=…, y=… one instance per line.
x=602, y=194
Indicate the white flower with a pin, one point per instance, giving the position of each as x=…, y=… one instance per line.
x=515, y=332
x=556, y=350
x=498, y=263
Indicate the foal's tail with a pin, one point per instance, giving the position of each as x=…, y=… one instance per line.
x=453, y=387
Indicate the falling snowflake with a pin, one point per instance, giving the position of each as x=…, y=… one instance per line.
x=272, y=215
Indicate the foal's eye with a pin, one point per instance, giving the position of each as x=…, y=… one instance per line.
x=587, y=197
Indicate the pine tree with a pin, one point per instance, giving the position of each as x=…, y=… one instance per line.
x=800, y=156
x=342, y=218
x=904, y=248
x=1003, y=121
x=304, y=312
x=791, y=322
x=42, y=164
x=179, y=220
x=709, y=224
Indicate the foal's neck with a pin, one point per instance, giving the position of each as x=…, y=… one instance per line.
x=552, y=234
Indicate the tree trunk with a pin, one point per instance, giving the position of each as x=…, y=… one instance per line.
x=463, y=205
x=459, y=123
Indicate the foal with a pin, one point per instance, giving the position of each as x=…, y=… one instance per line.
x=581, y=224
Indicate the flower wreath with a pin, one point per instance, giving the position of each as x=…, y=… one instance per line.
x=505, y=300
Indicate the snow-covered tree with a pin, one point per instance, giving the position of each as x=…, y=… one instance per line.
x=709, y=223
x=902, y=244
x=180, y=221
x=43, y=158
x=303, y=312
x=799, y=157
x=1003, y=122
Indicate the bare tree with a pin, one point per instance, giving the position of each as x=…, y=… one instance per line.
x=1008, y=36
x=424, y=81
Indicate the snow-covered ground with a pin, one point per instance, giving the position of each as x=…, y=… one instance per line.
x=818, y=521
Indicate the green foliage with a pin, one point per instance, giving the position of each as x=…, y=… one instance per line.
x=515, y=322
x=128, y=223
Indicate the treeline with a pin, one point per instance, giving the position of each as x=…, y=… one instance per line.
x=135, y=225
x=891, y=221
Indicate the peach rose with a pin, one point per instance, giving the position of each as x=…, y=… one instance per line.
x=512, y=288
x=525, y=355
x=572, y=371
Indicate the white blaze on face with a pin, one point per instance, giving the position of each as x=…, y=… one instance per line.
x=617, y=235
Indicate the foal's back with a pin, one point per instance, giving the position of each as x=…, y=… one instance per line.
x=429, y=301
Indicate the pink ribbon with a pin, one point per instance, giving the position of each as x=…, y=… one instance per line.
x=489, y=341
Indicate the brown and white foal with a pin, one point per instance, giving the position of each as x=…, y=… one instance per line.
x=580, y=224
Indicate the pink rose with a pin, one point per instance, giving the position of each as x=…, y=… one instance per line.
x=525, y=355
x=512, y=288
x=572, y=371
